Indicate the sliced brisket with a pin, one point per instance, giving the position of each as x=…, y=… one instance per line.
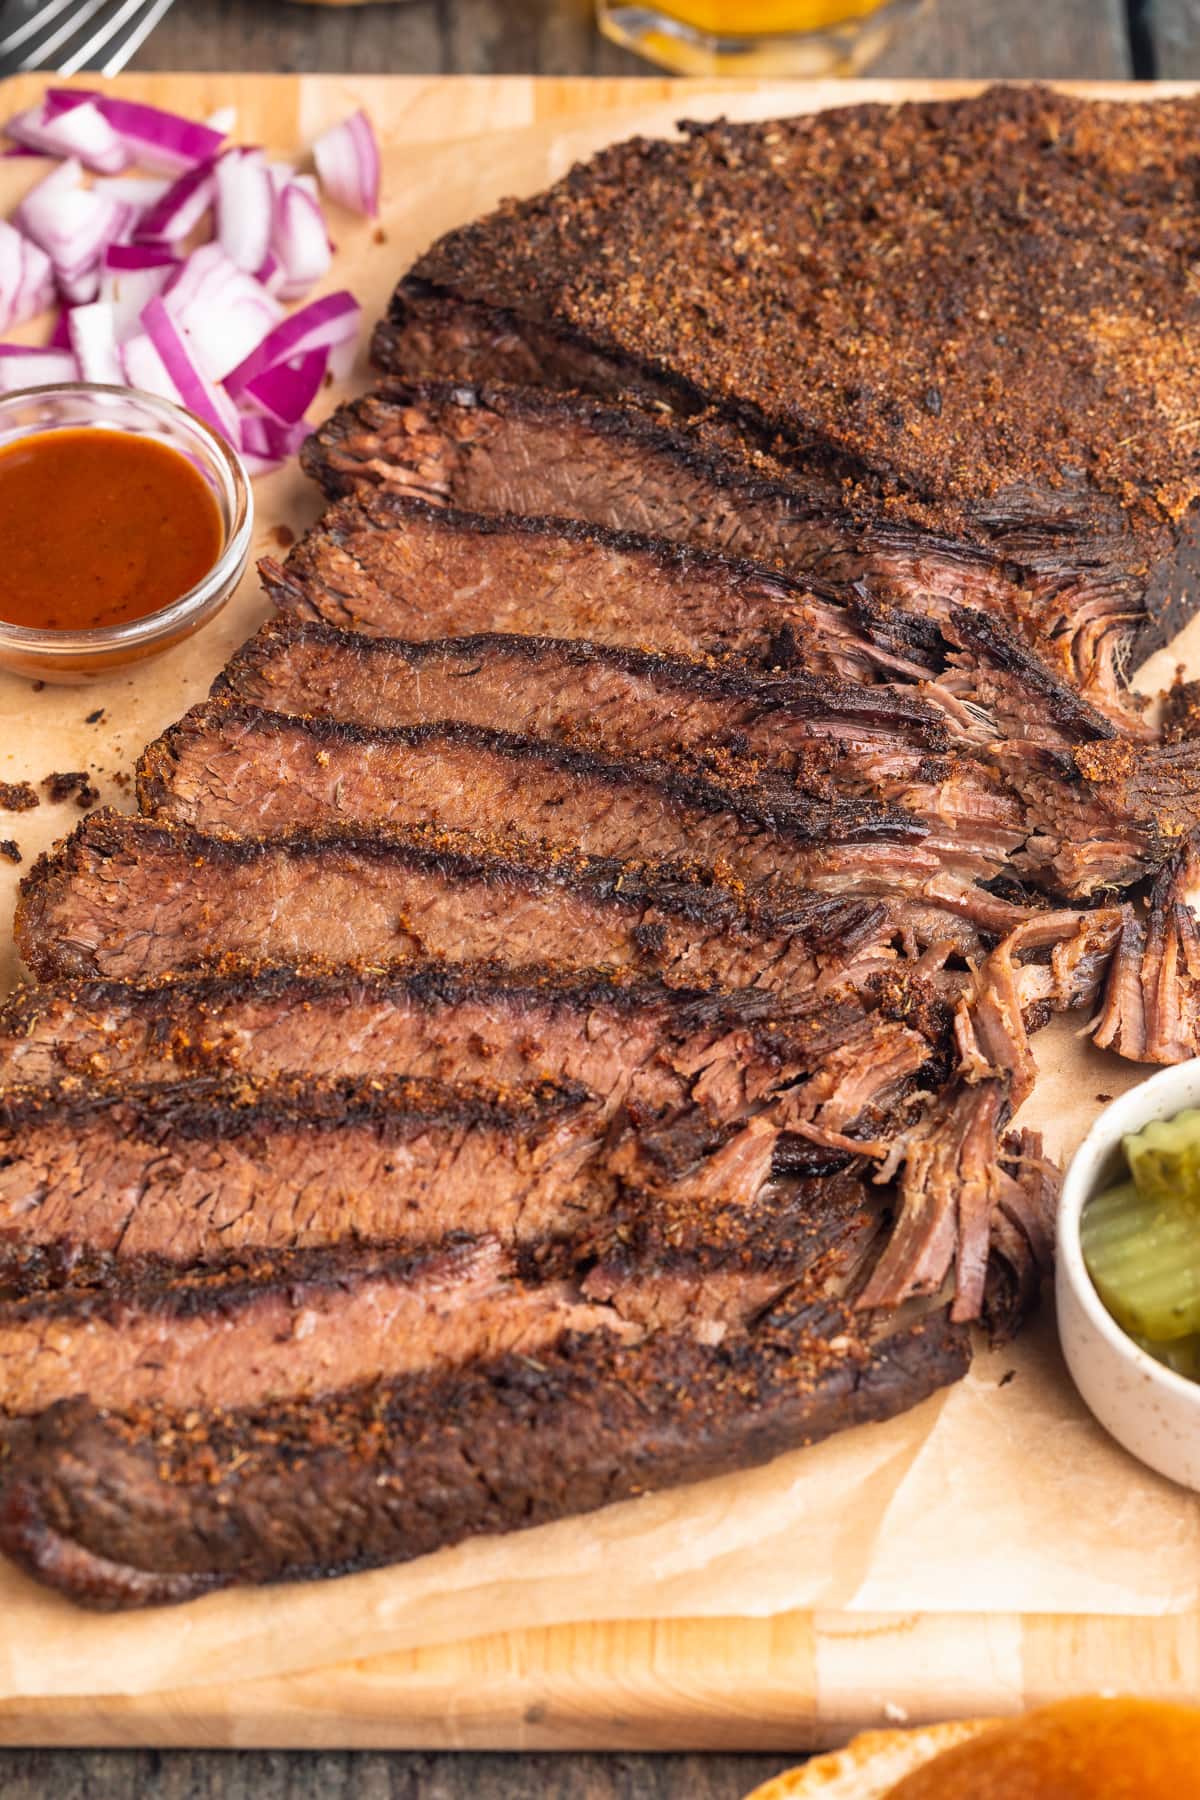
x=196, y=1171
x=302, y=1324
x=132, y=898
x=148, y=1507
x=226, y=766
x=492, y=449
x=632, y=1042
x=574, y=692
x=391, y=565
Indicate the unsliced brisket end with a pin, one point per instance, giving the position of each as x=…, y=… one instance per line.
x=494, y=449
x=575, y=692
x=644, y=271
x=148, y=1507
x=130, y=898
x=225, y=766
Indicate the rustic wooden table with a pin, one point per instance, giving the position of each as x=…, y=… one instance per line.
x=1081, y=38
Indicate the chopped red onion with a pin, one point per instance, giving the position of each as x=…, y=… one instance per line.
x=93, y=339
x=300, y=240
x=131, y=275
x=26, y=278
x=144, y=368
x=81, y=131
x=347, y=159
x=178, y=212
x=22, y=367
x=224, y=311
x=244, y=208
x=223, y=120
x=153, y=138
x=270, y=438
x=73, y=225
x=198, y=393
x=322, y=324
x=287, y=391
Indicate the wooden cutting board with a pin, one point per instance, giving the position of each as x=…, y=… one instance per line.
x=787, y=1681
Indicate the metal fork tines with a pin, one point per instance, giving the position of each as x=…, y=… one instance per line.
x=69, y=35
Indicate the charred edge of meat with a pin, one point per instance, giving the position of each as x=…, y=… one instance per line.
x=379, y=1476
x=212, y=1106
x=688, y=891
x=802, y=695
x=798, y=817
x=1069, y=711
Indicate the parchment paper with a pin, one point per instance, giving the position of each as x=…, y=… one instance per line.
x=999, y=1495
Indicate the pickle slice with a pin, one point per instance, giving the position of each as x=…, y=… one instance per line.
x=1143, y=1254
x=1183, y=1355
x=1164, y=1158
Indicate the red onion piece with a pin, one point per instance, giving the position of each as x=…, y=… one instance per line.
x=271, y=438
x=73, y=225
x=347, y=159
x=287, y=391
x=94, y=340
x=177, y=212
x=153, y=138
x=244, y=208
x=332, y=320
x=300, y=240
x=130, y=277
x=144, y=368
x=197, y=393
x=82, y=131
x=22, y=367
x=225, y=312
x=26, y=278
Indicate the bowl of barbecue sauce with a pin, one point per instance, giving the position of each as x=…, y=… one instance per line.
x=125, y=524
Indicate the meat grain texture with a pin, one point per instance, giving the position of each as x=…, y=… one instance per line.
x=555, y=1025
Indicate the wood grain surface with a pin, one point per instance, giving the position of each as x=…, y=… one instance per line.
x=957, y=38
x=1084, y=39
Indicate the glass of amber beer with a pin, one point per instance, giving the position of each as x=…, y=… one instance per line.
x=755, y=37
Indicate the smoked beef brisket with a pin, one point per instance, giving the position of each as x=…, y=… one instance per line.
x=556, y=1026
x=864, y=292
x=145, y=1507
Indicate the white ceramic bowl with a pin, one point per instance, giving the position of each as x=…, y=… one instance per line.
x=1149, y=1409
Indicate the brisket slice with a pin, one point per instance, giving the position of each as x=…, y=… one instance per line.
x=633, y=1043
x=504, y=450
x=296, y=1324
x=389, y=564
x=1066, y=449
x=226, y=766
x=886, y=821
x=148, y=1507
x=131, y=898
x=591, y=695
x=96, y=1173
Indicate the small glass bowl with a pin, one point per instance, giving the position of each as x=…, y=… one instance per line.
x=71, y=657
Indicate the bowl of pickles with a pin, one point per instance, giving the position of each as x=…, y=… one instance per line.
x=1127, y=1282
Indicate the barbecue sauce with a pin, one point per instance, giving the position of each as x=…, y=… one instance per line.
x=99, y=528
